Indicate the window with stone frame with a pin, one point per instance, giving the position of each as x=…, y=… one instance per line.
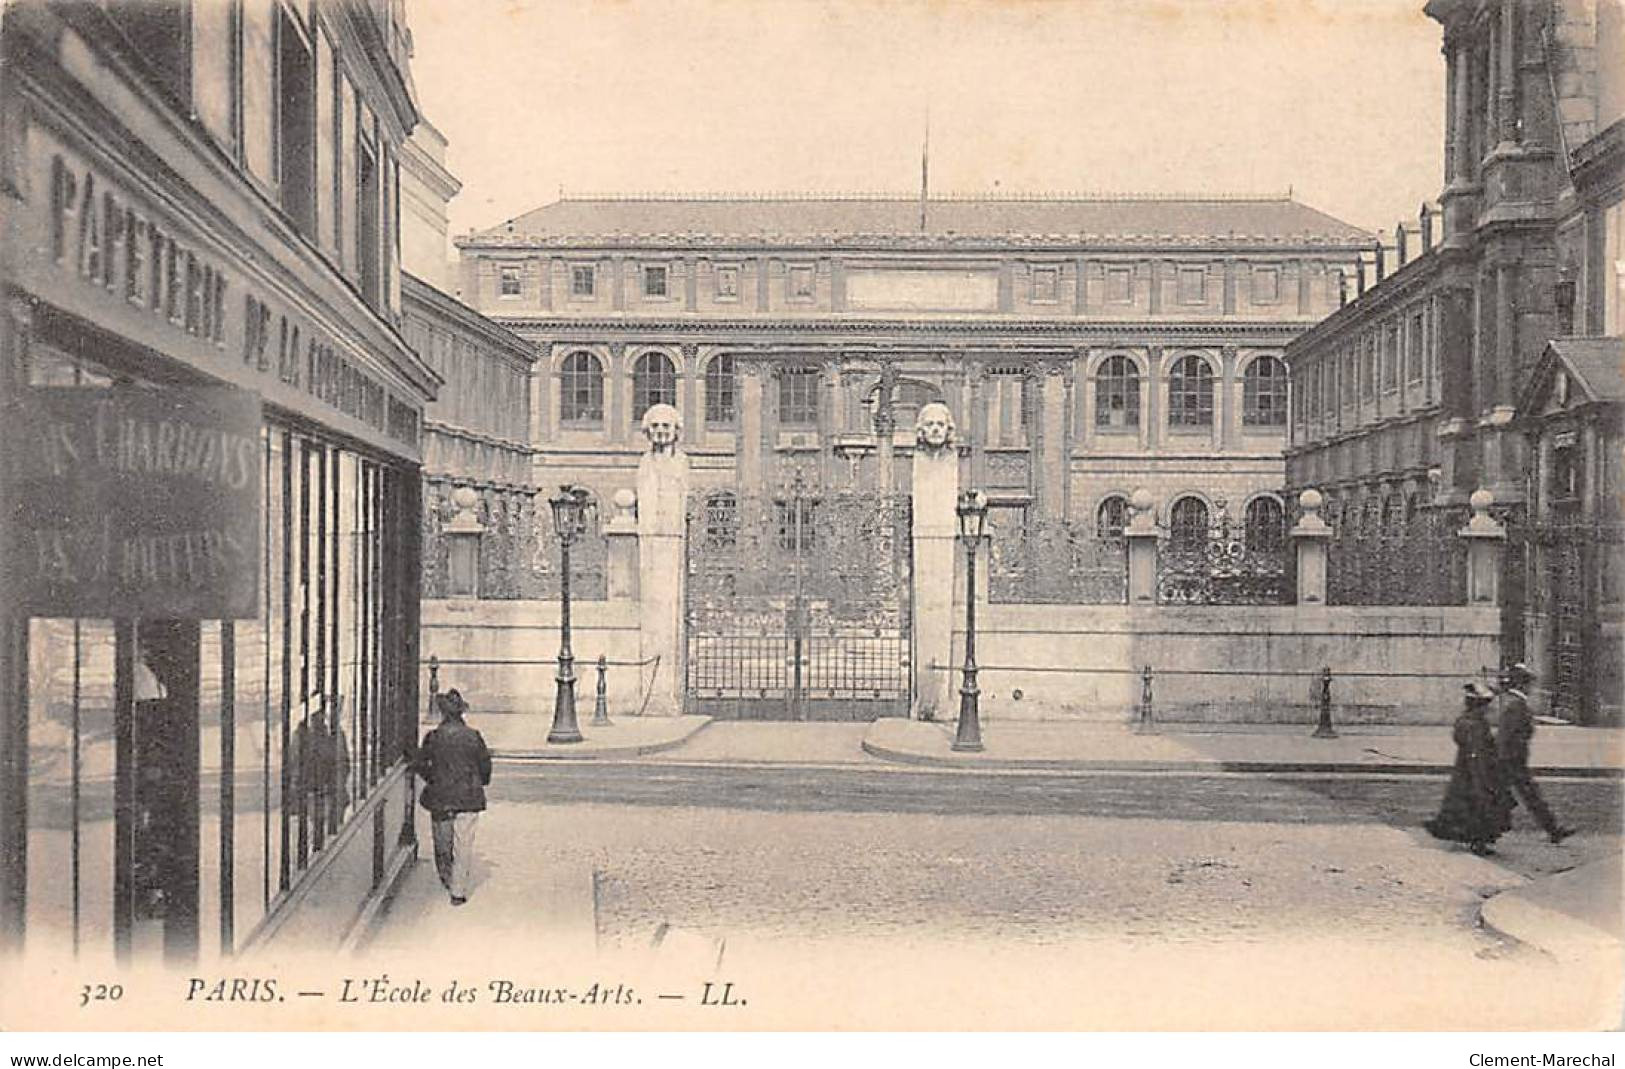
x=654, y=382
x=798, y=397
x=1264, y=392
x=1111, y=518
x=801, y=282
x=1046, y=285
x=727, y=282
x=510, y=283
x=654, y=280
x=581, y=389
x=1119, y=285
x=1188, y=522
x=719, y=390
x=1415, y=341
x=1192, y=285
x=1117, y=392
x=1390, y=358
x=583, y=280
x=1350, y=375
x=1368, y=367
x=1266, y=285
x=1190, y=393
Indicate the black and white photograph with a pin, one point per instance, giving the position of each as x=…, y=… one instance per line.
x=817, y=516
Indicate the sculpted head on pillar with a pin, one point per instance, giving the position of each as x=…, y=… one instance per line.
x=934, y=429
x=663, y=427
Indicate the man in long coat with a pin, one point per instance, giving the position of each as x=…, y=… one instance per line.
x=456, y=768
x=1512, y=736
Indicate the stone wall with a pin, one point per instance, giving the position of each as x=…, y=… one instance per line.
x=1082, y=662
x=528, y=631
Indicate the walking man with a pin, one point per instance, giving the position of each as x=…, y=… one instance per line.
x=1512, y=738
x=456, y=767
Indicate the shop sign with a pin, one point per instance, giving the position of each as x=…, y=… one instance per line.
x=136, y=501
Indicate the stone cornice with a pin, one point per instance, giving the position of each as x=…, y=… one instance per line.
x=1059, y=330
x=587, y=245
x=1403, y=285
x=450, y=430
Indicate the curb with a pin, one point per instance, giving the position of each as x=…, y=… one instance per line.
x=1513, y=914
x=1054, y=764
x=564, y=753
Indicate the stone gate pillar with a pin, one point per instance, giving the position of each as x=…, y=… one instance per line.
x=662, y=498
x=1309, y=538
x=936, y=525
x=1486, y=540
x=1142, y=535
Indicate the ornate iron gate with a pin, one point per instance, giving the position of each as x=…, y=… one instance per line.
x=798, y=605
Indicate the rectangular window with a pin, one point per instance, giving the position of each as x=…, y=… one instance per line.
x=367, y=244
x=1390, y=358
x=327, y=145
x=259, y=89
x=1368, y=368
x=654, y=280
x=798, y=397
x=801, y=283
x=1045, y=284
x=1350, y=374
x=1613, y=270
x=1193, y=285
x=583, y=280
x=1413, y=349
x=1119, y=284
x=509, y=285
x=214, y=74
x=1266, y=285
x=296, y=126
x=349, y=139
x=156, y=34
x=727, y=276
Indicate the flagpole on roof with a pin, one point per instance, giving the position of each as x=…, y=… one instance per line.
x=925, y=168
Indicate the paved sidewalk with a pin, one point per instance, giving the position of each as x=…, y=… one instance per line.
x=1576, y=916
x=523, y=736
x=1091, y=746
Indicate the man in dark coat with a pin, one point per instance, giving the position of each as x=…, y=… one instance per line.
x=1513, y=736
x=456, y=768
x=1476, y=809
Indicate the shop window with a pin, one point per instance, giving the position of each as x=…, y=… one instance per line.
x=583, y=280
x=654, y=382
x=1111, y=518
x=1190, y=393
x=654, y=280
x=581, y=389
x=1264, y=391
x=719, y=390
x=1117, y=393
x=798, y=397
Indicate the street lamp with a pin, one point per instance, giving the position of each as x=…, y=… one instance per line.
x=572, y=510
x=972, y=512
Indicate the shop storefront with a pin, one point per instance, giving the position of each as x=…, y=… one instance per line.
x=210, y=553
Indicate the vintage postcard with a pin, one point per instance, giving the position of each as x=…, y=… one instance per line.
x=817, y=515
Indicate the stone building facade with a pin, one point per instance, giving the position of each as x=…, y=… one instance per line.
x=1084, y=347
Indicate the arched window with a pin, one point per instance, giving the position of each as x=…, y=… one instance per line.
x=654, y=382
x=719, y=390
x=1264, y=393
x=1190, y=393
x=1117, y=393
x=1187, y=522
x=1111, y=518
x=581, y=389
x=798, y=397
x=1266, y=523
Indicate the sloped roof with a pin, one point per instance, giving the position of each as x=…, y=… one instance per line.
x=1599, y=364
x=859, y=220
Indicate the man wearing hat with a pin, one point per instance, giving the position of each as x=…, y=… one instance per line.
x=1513, y=735
x=456, y=768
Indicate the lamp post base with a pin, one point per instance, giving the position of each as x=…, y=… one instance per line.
x=565, y=728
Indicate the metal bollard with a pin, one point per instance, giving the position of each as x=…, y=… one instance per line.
x=1146, y=721
x=600, y=705
x=1324, y=729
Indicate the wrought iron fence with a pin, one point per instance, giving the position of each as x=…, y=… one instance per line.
x=1420, y=561
x=1224, y=566
x=1574, y=567
x=1056, y=562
